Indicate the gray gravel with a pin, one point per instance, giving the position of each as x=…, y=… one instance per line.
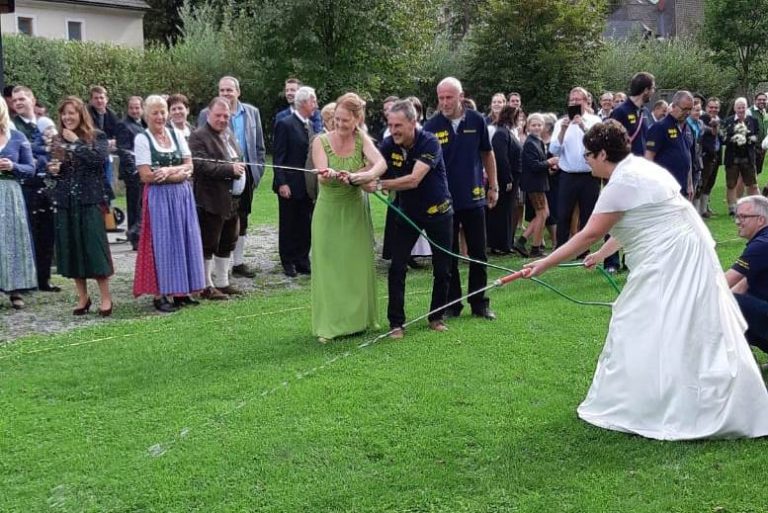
x=48, y=312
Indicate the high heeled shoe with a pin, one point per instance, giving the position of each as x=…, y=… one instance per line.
x=107, y=312
x=84, y=310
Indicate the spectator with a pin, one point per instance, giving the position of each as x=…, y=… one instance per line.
x=758, y=111
x=291, y=86
x=106, y=120
x=667, y=144
x=178, y=110
x=245, y=124
x=711, y=154
x=36, y=197
x=741, y=133
x=660, y=110
x=82, y=251
x=498, y=102
x=125, y=134
x=17, y=262
x=506, y=151
x=606, y=106
x=170, y=259
x=618, y=98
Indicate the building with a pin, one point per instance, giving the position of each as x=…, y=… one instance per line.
x=109, y=21
x=655, y=18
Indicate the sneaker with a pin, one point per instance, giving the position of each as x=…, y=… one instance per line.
x=612, y=270
x=244, y=271
x=213, y=294
x=438, y=325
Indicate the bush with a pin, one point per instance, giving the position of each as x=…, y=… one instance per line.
x=676, y=64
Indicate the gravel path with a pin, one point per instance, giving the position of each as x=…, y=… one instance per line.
x=52, y=312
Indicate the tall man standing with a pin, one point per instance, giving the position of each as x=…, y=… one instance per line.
x=292, y=135
x=463, y=136
x=667, y=145
x=245, y=122
x=220, y=183
x=577, y=185
x=748, y=276
x=105, y=120
x=39, y=205
x=711, y=153
x=125, y=134
x=632, y=113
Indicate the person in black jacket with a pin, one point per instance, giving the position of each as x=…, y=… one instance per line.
x=125, y=134
x=292, y=135
x=535, y=182
x=741, y=133
x=711, y=153
x=82, y=250
x=506, y=149
x=105, y=120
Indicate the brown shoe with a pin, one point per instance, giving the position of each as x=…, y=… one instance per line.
x=231, y=290
x=213, y=294
x=397, y=333
x=438, y=325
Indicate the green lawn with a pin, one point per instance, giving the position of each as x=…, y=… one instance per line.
x=236, y=408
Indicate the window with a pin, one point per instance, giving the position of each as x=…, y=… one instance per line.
x=25, y=25
x=75, y=30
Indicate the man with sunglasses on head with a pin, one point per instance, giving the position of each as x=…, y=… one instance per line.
x=748, y=276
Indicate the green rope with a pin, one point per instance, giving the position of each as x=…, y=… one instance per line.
x=499, y=267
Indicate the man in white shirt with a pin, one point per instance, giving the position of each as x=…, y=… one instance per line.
x=577, y=185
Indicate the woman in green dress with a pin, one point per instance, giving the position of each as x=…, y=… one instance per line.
x=343, y=274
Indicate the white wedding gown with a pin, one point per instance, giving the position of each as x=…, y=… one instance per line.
x=675, y=365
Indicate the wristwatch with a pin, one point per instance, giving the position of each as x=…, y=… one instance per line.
x=495, y=189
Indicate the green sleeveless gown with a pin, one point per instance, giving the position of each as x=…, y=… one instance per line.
x=343, y=274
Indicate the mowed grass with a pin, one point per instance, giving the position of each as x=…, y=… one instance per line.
x=236, y=408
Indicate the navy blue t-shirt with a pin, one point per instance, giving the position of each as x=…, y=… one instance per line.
x=431, y=198
x=461, y=152
x=636, y=121
x=753, y=264
x=672, y=151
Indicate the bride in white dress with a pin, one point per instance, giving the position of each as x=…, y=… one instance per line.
x=675, y=365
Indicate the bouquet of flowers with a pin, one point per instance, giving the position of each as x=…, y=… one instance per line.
x=739, y=134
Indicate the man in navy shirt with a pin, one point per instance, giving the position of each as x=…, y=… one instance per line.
x=667, y=145
x=748, y=277
x=632, y=113
x=413, y=160
x=463, y=135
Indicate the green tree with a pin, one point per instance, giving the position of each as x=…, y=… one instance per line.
x=541, y=48
x=736, y=30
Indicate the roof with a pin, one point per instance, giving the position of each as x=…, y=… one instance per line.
x=132, y=5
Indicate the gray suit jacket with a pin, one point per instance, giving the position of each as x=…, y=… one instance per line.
x=255, y=152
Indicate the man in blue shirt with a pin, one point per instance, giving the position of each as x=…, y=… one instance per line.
x=463, y=135
x=748, y=277
x=415, y=169
x=632, y=113
x=667, y=145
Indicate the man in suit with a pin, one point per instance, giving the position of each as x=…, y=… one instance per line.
x=38, y=202
x=291, y=86
x=220, y=184
x=245, y=123
x=126, y=132
x=105, y=120
x=292, y=135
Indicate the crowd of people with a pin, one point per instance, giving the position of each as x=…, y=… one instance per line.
x=637, y=176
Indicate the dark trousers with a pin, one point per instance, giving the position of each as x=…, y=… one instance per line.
x=755, y=311
x=41, y=227
x=473, y=223
x=759, y=159
x=134, y=190
x=219, y=233
x=295, y=230
x=499, y=223
x=580, y=189
x=440, y=230
x=709, y=173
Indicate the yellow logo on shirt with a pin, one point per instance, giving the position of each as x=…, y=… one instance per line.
x=442, y=136
x=442, y=208
x=672, y=132
x=397, y=159
x=478, y=193
x=632, y=118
